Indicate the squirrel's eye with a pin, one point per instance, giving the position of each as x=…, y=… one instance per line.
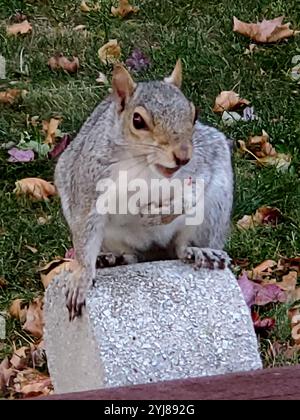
x=139, y=122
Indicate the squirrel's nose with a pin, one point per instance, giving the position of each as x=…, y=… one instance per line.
x=181, y=156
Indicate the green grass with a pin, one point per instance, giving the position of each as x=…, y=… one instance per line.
x=198, y=31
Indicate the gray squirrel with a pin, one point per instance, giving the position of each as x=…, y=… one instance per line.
x=150, y=130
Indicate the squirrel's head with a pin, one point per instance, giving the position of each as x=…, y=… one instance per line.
x=157, y=120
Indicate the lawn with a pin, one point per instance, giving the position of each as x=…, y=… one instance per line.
x=214, y=58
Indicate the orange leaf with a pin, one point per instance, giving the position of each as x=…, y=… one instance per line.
x=18, y=310
x=35, y=188
x=19, y=28
x=123, y=9
x=10, y=95
x=265, y=31
x=34, y=323
x=228, y=100
x=263, y=215
x=288, y=282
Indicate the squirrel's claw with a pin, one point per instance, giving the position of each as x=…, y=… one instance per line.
x=207, y=258
x=75, y=296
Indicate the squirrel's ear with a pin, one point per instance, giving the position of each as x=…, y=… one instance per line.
x=122, y=84
x=176, y=76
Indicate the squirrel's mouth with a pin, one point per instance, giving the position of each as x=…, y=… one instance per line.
x=167, y=172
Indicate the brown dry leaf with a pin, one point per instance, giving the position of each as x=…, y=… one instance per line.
x=264, y=215
x=110, y=52
x=60, y=62
x=6, y=374
x=10, y=95
x=262, y=270
x=85, y=8
x=31, y=383
x=281, y=161
x=54, y=268
x=19, y=28
x=288, y=282
x=228, y=100
x=50, y=128
x=21, y=357
x=18, y=310
x=35, y=188
x=34, y=323
x=124, y=9
x=261, y=146
x=265, y=31
x=296, y=328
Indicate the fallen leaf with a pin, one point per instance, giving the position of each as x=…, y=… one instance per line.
x=228, y=100
x=269, y=293
x=110, y=52
x=248, y=289
x=54, y=268
x=31, y=383
x=20, y=358
x=38, y=355
x=35, y=188
x=60, y=62
x=265, y=31
x=261, y=146
x=288, y=282
x=7, y=374
x=257, y=294
x=41, y=149
x=17, y=155
x=18, y=310
x=295, y=71
x=86, y=9
x=281, y=161
x=19, y=28
x=137, y=61
x=262, y=325
x=18, y=17
x=296, y=328
x=287, y=264
x=10, y=95
x=34, y=323
x=263, y=269
x=43, y=220
x=60, y=147
x=265, y=215
x=124, y=9
x=102, y=79
x=49, y=128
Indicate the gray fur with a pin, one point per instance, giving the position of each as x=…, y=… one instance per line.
x=100, y=148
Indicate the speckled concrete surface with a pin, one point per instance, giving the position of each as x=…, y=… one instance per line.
x=149, y=322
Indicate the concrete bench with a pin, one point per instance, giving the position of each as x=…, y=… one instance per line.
x=147, y=323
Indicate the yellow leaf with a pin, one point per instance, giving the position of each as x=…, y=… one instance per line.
x=50, y=127
x=18, y=310
x=35, y=188
x=124, y=9
x=110, y=52
x=19, y=28
x=228, y=100
x=266, y=31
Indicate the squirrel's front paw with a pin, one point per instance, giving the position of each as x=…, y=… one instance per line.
x=206, y=258
x=77, y=287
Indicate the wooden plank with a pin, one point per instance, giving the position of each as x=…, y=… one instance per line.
x=269, y=384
